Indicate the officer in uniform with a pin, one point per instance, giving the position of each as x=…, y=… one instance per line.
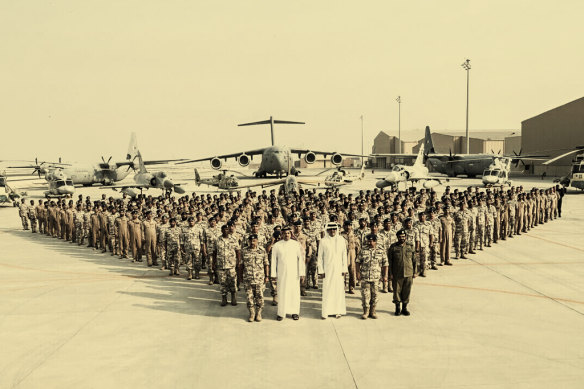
x=23, y=213
x=402, y=271
x=226, y=260
x=256, y=269
x=371, y=267
x=192, y=240
x=173, y=241
x=123, y=238
x=149, y=239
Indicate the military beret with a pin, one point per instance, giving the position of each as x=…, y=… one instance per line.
x=347, y=223
x=191, y=219
x=164, y=215
x=173, y=219
x=276, y=234
x=252, y=236
x=386, y=220
x=298, y=223
x=401, y=232
x=407, y=219
x=362, y=218
x=372, y=237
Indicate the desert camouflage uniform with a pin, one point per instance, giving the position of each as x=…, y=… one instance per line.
x=254, y=262
x=370, y=263
x=32, y=217
x=193, y=237
x=112, y=234
x=161, y=243
x=422, y=235
x=79, y=218
x=173, y=240
x=225, y=250
x=460, y=232
x=23, y=212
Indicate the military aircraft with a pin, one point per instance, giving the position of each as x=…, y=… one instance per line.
x=498, y=172
x=341, y=177
x=221, y=180
x=11, y=195
x=470, y=165
x=575, y=178
x=418, y=172
x=101, y=173
x=147, y=180
x=275, y=159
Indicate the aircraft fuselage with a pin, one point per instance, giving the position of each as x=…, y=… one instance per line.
x=275, y=160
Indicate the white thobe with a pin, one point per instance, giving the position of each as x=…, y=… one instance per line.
x=288, y=266
x=332, y=262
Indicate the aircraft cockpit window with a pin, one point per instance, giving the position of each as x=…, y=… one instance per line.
x=60, y=183
x=162, y=174
x=69, y=182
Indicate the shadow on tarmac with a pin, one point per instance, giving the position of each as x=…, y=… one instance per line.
x=173, y=294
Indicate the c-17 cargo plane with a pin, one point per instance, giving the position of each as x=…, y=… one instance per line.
x=275, y=159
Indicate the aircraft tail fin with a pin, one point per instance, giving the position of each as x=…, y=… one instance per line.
x=420, y=157
x=197, y=177
x=428, y=144
x=132, y=147
x=141, y=166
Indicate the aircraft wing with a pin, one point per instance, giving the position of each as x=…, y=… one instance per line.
x=224, y=156
x=325, y=153
x=139, y=186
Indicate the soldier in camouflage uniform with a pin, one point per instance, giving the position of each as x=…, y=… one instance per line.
x=173, y=241
x=436, y=233
x=353, y=248
x=32, y=216
x=161, y=242
x=23, y=213
x=256, y=268
x=311, y=262
x=423, y=238
x=460, y=231
x=149, y=239
x=211, y=235
x=480, y=224
x=512, y=204
x=123, y=238
x=303, y=239
x=193, y=242
x=471, y=214
x=226, y=260
x=79, y=218
x=371, y=267
x=111, y=231
x=490, y=213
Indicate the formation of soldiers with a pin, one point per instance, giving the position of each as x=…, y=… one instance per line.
x=230, y=235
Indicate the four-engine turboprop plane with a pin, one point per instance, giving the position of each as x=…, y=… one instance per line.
x=275, y=159
x=147, y=180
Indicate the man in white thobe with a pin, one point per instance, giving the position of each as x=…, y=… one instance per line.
x=287, y=267
x=332, y=268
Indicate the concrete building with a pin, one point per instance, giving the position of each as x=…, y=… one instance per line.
x=552, y=133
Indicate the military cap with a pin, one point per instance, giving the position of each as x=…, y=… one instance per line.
x=164, y=215
x=173, y=219
x=362, y=218
x=407, y=219
x=252, y=236
x=386, y=220
x=191, y=219
x=347, y=223
x=297, y=223
x=372, y=237
x=401, y=232
x=276, y=234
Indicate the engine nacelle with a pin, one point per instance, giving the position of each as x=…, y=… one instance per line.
x=383, y=184
x=336, y=159
x=178, y=189
x=310, y=157
x=216, y=163
x=429, y=184
x=130, y=192
x=243, y=160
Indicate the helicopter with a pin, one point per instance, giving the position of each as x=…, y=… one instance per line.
x=575, y=178
x=498, y=172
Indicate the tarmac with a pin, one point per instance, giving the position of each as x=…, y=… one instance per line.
x=511, y=316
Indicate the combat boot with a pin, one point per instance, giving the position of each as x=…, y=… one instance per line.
x=463, y=256
x=397, y=309
x=351, y=290
x=251, y=314
x=197, y=276
x=163, y=267
x=190, y=275
x=171, y=270
x=258, y=316
x=233, y=299
x=210, y=279
x=275, y=300
x=365, y=313
x=176, y=272
x=372, y=313
x=405, y=311
x=223, y=300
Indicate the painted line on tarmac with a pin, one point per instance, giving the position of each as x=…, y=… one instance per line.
x=84, y=273
x=556, y=242
x=516, y=263
x=501, y=291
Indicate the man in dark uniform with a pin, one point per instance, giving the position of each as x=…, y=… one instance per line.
x=402, y=270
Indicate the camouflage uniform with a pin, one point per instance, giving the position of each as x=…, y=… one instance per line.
x=23, y=213
x=161, y=243
x=436, y=234
x=79, y=218
x=512, y=213
x=490, y=213
x=123, y=238
x=422, y=235
x=312, y=268
x=32, y=217
x=480, y=224
x=460, y=232
x=193, y=238
x=370, y=263
x=471, y=214
x=254, y=262
x=112, y=233
x=173, y=240
x=353, y=248
x=225, y=251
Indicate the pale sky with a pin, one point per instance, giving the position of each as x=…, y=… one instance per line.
x=77, y=77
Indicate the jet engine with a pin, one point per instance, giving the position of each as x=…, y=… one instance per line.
x=216, y=163
x=243, y=160
x=336, y=159
x=153, y=181
x=309, y=157
x=428, y=184
x=130, y=192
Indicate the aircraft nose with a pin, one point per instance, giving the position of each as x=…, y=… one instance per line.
x=391, y=177
x=68, y=189
x=490, y=179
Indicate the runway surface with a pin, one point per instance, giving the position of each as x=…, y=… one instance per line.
x=511, y=316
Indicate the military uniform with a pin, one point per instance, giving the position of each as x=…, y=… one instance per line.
x=173, y=240
x=402, y=267
x=123, y=240
x=193, y=238
x=461, y=224
x=422, y=236
x=254, y=262
x=149, y=237
x=23, y=213
x=226, y=260
x=353, y=248
x=32, y=217
x=371, y=261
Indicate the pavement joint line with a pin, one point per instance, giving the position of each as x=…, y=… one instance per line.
x=556, y=300
x=116, y=297
x=555, y=242
x=344, y=355
x=540, y=295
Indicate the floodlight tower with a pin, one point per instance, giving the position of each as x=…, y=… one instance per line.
x=466, y=66
x=398, y=124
